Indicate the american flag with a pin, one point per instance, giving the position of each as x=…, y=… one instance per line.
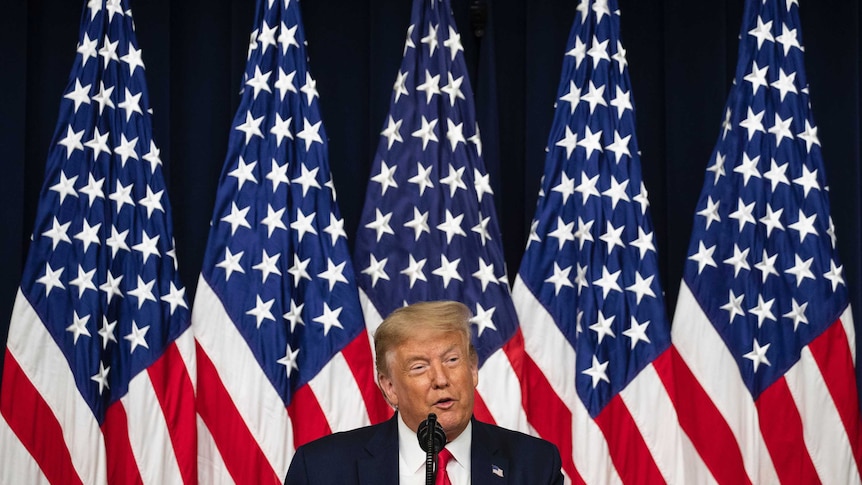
x=763, y=320
x=429, y=228
x=588, y=293
x=283, y=354
x=98, y=382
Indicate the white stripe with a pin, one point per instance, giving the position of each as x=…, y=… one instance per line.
x=211, y=467
x=372, y=321
x=501, y=392
x=716, y=370
x=850, y=330
x=824, y=432
x=186, y=346
x=148, y=433
x=548, y=347
x=339, y=396
x=45, y=365
x=653, y=411
x=259, y=405
x=16, y=464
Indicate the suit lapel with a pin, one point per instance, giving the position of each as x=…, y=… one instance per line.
x=488, y=466
x=380, y=467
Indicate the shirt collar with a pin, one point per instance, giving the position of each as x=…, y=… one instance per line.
x=412, y=457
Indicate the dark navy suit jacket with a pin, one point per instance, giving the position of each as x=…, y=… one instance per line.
x=369, y=456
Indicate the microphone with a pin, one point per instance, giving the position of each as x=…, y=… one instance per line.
x=432, y=439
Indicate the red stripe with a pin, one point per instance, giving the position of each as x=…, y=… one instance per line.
x=548, y=415
x=781, y=427
x=480, y=409
x=626, y=445
x=120, y=461
x=176, y=395
x=241, y=453
x=701, y=420
x=359, y=358
x=32, y=421
x=309, y=421
x=831, y=351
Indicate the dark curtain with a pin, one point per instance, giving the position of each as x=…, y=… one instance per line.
x=682, y=56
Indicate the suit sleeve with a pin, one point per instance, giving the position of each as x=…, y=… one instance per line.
x=557, y=467
x=297, y=474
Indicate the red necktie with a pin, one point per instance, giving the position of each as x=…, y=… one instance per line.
x=442, y=460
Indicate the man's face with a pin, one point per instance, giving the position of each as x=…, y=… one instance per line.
x=432, y=372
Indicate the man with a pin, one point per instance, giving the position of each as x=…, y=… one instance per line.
x=426, y=363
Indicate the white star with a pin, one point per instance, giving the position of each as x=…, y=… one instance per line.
x=733, y=306
x=613, y=236
x=641, y=287
x=485, y=274
x=453, y=43
x=785, y=84
x=431, y=39
x=126, y=150
x=599, y=52
x=80, y=94
x=622, y=102
x=777, y=175
x=753, y=123
x=637, y=332
x=109, y=52
x=717, y=167
x=176, y=297
x=579, y=52
x=565, y=188
x=742, y=214
x=801, y=269
x=334, y=273
x=617, y=192
x=581, y=281
x=477, y=140
x=448, y=270
x=805, y=225
x=381, y=224
x=376, y=270
x=452, y=226
x=598, y=372
x=595, y=96
x=423, y=177
x=454, y=180
x=415, y=270
x=251, y=127
x=763, y=310
x=101, y=377
x=87, y=47
x=583, y=234
x=620, y=146
x=111, y=286
x=307, y=179
x=739, y=260
x=335, y=229
x=831, y=232
x=294, y=316
x=117, y=241
x=147, y=246
x=810, y=136
x=230, y=263
x=103, y=97
x=298, y=270
x=781, y=129
x=329, y=318
x=797, y=314
x=808, y=180
x=587, y=187
x=310, y=133
x=482, y=184
x=620, y=57
x=560, y=278
x=386, y=177
x=99, y=143
x=93, y=189
x=287, y=37
x=285, y=83
x=281, y=130
x=426, y=133
x=72, y=142
x=309, y=88
x=758, y=355
x=419, y=224
x=78, y=327
x=483, y=319
x=726, y=125
x=482, y=229
x=84, y=281
x=573, y=97
x=748, y=168
x=268, y=265
x=261, y=310
x=144, y=292
x=834, y=275
x=563, y=232
x=710, y=212
x=289, y=360
x=153, y=157
x=600, y=7
x=767, y=266
x=762, y=32
x=642, y=198
x=277, y=174
x=400, y=86
x=89, y=235
x=757, y=78
x=107, y=332
x=131, y=104
x=113, y=7
x=591, y=142
x=644, y=242
x=453, y=89
x=772, y=220
x=133, y=59
x=455, y=134
x=273, y=220
x=608, y=282
x=58, y=232
x=703, y=257
x=788, y=39
x=152, y=201
x=431, y=86
x=303, y=224
x=569, y=142
x=392, y=132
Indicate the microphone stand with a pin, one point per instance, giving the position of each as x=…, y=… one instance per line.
x=432, y=442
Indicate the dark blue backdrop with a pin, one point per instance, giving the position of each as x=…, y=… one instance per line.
x=682, y=56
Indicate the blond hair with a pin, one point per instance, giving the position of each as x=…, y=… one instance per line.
x=441, y=316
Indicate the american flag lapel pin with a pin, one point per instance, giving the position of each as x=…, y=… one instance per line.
x=497, y=471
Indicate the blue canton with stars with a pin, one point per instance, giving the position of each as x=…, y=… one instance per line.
x=429, y=229
x=277, y=255
x=101, y=271
x=762, y=260
x=591, y=257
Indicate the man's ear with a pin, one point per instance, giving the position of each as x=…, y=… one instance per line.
x=387, y=387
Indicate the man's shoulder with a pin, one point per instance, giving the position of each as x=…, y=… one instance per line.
x=343, y=440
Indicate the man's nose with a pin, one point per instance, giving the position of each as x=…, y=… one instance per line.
x=439, y=375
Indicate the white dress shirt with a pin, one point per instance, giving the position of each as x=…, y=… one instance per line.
x=411, y=458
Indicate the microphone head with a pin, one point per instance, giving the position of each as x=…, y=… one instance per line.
x=431, y=434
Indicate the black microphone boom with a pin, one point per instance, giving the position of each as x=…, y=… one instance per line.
x=432, y=439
